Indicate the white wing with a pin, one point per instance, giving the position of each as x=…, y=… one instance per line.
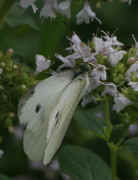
x=62, y=115
x=36, y=112
x=47, y=92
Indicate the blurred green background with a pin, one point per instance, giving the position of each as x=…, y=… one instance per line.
x=28, y=35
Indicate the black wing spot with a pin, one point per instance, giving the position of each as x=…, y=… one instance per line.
x=38, y=107
x=57, y=119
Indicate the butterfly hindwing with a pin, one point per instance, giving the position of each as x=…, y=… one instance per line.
x=62, y=115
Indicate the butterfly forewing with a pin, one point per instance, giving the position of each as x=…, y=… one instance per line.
x=46, y=92
x=36, y=112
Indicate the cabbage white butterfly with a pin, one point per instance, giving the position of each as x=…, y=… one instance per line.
x=47, y=111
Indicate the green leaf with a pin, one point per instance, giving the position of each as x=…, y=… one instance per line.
x=91, y=119
x=82, y=164
x=19, y=16
x=3, y=177
x=53, y=36
x=23, y=40
x=132, y=145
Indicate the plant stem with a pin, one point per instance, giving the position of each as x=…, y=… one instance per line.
x=4, y=9
x=113, y=156
x=108, y=132
x=108, y=121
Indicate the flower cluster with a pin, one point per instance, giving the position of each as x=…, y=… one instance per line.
x=112, y=70
x=128, y=1
x=14, y=82
x=52, y=7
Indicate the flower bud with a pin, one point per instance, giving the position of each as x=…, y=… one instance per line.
x=9, y=52
x=131, y=60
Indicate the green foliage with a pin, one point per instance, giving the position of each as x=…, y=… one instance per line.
x=132, y=145
x=14, y=82
x=18, y=16
x=53, y=31
x=83, y=164
x=2, y=177
x=91, y=119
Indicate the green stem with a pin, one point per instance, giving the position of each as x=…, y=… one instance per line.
x=107, y=116
x=108, y=132
x=4, y=9
x=113, y=156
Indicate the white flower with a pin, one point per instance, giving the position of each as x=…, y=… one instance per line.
x=64, y=8
x=67, y=61
x=134, y=85
x=26, y=3
x=1, y=153
x=93, y=84
x=42, y=63
x=65, y=176
x=1, y=70
x=110, y=89
x=102, y=46
x=99, y=72
x=49, y=9
x=37, y=165
x=99, y=44
x=133, y=129
x=120, y=102
x=112, y=41
x=100, y=115
x=106, y=46
x=54, y=165
x=129, y=1
x=81, y=49
x=18, y=131
x=136, y=46
x=88, y=99
x=76, y=43
x=86, y=15
x=115, y=57
x=133, y=69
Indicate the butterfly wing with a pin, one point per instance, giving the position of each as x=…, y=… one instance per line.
x=46, y=92
x=36, y=112
x=34, y=140
x=62, y=115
